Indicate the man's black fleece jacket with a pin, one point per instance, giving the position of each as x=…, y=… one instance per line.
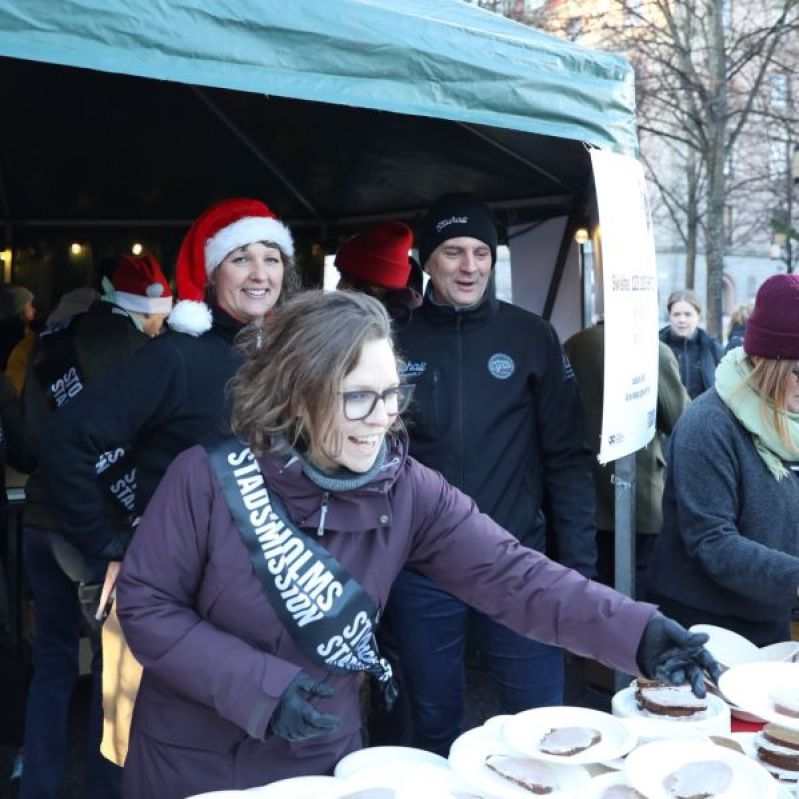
x=497, y=411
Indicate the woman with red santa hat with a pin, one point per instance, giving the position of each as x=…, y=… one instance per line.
x=234, y=265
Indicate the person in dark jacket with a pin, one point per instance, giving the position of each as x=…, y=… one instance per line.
x=729, y=552
x=378, y=263
x=737, y=327
x=254, y=615
x=238, y=256
x=15, y=451
x=586, y=353
x=497, y=412
x=697, y=353
x=65, y=585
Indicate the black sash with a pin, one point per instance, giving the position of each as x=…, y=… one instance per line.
x=58, y=370
x=325, y=610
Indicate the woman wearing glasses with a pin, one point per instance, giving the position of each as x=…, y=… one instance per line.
x=252, y=588
x=728, y=553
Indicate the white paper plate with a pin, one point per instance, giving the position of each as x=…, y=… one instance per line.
x=410, y=783
x=713, y=721
x=525, y=730
x=600, y=784
x=734, y=709
x=467, y=761
x=391, y=756
x=218, y=795
x=749, y=686
x=728, y=647
x=787, y=651
x=650, y=764
x=294, y=788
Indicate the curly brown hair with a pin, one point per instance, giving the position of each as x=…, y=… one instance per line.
x=286, y=391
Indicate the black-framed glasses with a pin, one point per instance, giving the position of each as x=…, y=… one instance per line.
x=359, y=404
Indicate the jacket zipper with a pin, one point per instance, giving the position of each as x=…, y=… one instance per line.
x=460, y=411
x=320, y=531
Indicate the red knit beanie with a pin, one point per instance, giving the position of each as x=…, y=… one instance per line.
x=219, y=230
x=379, y=256
x=773, y=328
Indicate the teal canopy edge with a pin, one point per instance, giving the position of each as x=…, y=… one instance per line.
x=432, y=58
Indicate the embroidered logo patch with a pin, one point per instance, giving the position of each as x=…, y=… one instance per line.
x=412, y=369
x=501, y=366
x=453, y=220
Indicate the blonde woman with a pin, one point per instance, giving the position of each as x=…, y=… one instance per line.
x=728, y=553
x=737, y=326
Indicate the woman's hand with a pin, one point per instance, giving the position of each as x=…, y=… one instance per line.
x=671, y=654
x=296, y=719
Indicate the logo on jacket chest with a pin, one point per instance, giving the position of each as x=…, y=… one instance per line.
x=412, y=369
x=501, y=366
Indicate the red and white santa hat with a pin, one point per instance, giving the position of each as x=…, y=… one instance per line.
x=218, y=231
x=140, y=285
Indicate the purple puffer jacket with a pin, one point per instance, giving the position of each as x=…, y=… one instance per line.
x=216, y=658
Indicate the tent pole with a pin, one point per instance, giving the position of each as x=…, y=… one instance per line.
x=624, y=536
x=4, y=207
x=513, y=154
x=245, y=140
x=560, y=265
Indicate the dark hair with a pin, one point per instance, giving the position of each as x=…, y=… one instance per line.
x=285, y=393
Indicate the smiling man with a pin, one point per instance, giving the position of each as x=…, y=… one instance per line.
x=496, y=410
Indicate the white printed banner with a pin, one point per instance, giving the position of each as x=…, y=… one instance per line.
x=631, y=305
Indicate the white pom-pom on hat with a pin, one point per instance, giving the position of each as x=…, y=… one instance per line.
x=192, y=317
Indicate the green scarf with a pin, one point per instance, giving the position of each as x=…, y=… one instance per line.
x=732, y=385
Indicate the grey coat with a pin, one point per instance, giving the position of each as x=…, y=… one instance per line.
x=730, y=540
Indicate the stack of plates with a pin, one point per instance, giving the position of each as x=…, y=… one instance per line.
x=519, y=736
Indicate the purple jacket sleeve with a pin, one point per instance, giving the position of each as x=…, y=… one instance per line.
x=156, y=591
x=472, y=557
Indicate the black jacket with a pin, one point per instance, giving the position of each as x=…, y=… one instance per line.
x=698, y=358
x=497, y=411
x=736, y=338
x=100, y=339
x=167, y=397
x=15, y=448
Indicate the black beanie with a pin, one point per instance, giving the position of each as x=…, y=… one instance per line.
x=454, y=215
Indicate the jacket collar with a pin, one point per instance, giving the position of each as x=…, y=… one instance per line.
x=447, y=316
x=225, y=326
x=364, y=508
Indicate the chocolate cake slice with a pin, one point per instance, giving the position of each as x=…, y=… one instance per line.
x=702, y=779
x=567, y=741
x=676, y=701
x=778, y=750
x=535, y=777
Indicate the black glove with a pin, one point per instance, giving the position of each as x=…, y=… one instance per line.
x=295, y=719
x=673, y=655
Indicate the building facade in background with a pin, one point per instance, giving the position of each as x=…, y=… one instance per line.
x=696, y=61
